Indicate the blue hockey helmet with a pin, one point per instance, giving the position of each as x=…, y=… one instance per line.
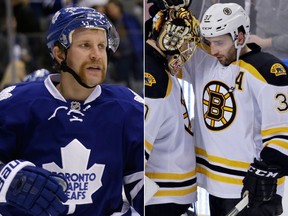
x=66, y=20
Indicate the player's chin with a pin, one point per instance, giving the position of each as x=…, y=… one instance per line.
x=95, y=79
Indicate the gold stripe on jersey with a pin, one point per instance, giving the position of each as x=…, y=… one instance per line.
x=171, y=176
x=180, y=74
x=251, y=69
x=148, y=149
x=226, y=179
x=276, y=138
x=274, y=131
x=174, y=183
x=218, y=177
x=148, y=146
x=279, y=143
x=176, y=192
x=169, y=86
x=221, y=160
x=281, y=180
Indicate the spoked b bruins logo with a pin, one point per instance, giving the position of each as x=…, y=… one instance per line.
x=219, y=107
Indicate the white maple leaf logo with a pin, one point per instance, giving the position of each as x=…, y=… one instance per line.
x=137, y=97
x=5, y=93
x=82, y=182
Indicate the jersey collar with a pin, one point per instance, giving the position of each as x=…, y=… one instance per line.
x=52, y=78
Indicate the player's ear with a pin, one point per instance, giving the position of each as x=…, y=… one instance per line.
x=59, y=54
x=241, y=38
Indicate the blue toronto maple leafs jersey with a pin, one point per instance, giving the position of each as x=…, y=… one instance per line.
x=97, y=145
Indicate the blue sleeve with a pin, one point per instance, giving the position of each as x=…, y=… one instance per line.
x=13, y=117
x=134, y=158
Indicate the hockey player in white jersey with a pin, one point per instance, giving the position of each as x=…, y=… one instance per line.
x=71, y=145
x=169, y=147
x=241, y=116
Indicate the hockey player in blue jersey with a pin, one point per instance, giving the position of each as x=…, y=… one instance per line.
x=72, y=127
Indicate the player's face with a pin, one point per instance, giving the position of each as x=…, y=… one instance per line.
x=87, y=55
x=222, y=47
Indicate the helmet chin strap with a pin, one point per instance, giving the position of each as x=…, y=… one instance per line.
x=65, y=68
x=234, y=76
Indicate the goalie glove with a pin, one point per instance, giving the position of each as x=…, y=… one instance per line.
x=167, y=4
x=260, y=183
x=32, y=189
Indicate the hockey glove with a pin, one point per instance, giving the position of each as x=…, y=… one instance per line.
x=167, y=4
x=260, y=183
x=32, y=189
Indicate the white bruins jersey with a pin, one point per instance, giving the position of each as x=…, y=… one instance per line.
x=169, y=148
x=232, y=128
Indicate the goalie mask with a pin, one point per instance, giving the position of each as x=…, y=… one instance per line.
x=176, y=34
